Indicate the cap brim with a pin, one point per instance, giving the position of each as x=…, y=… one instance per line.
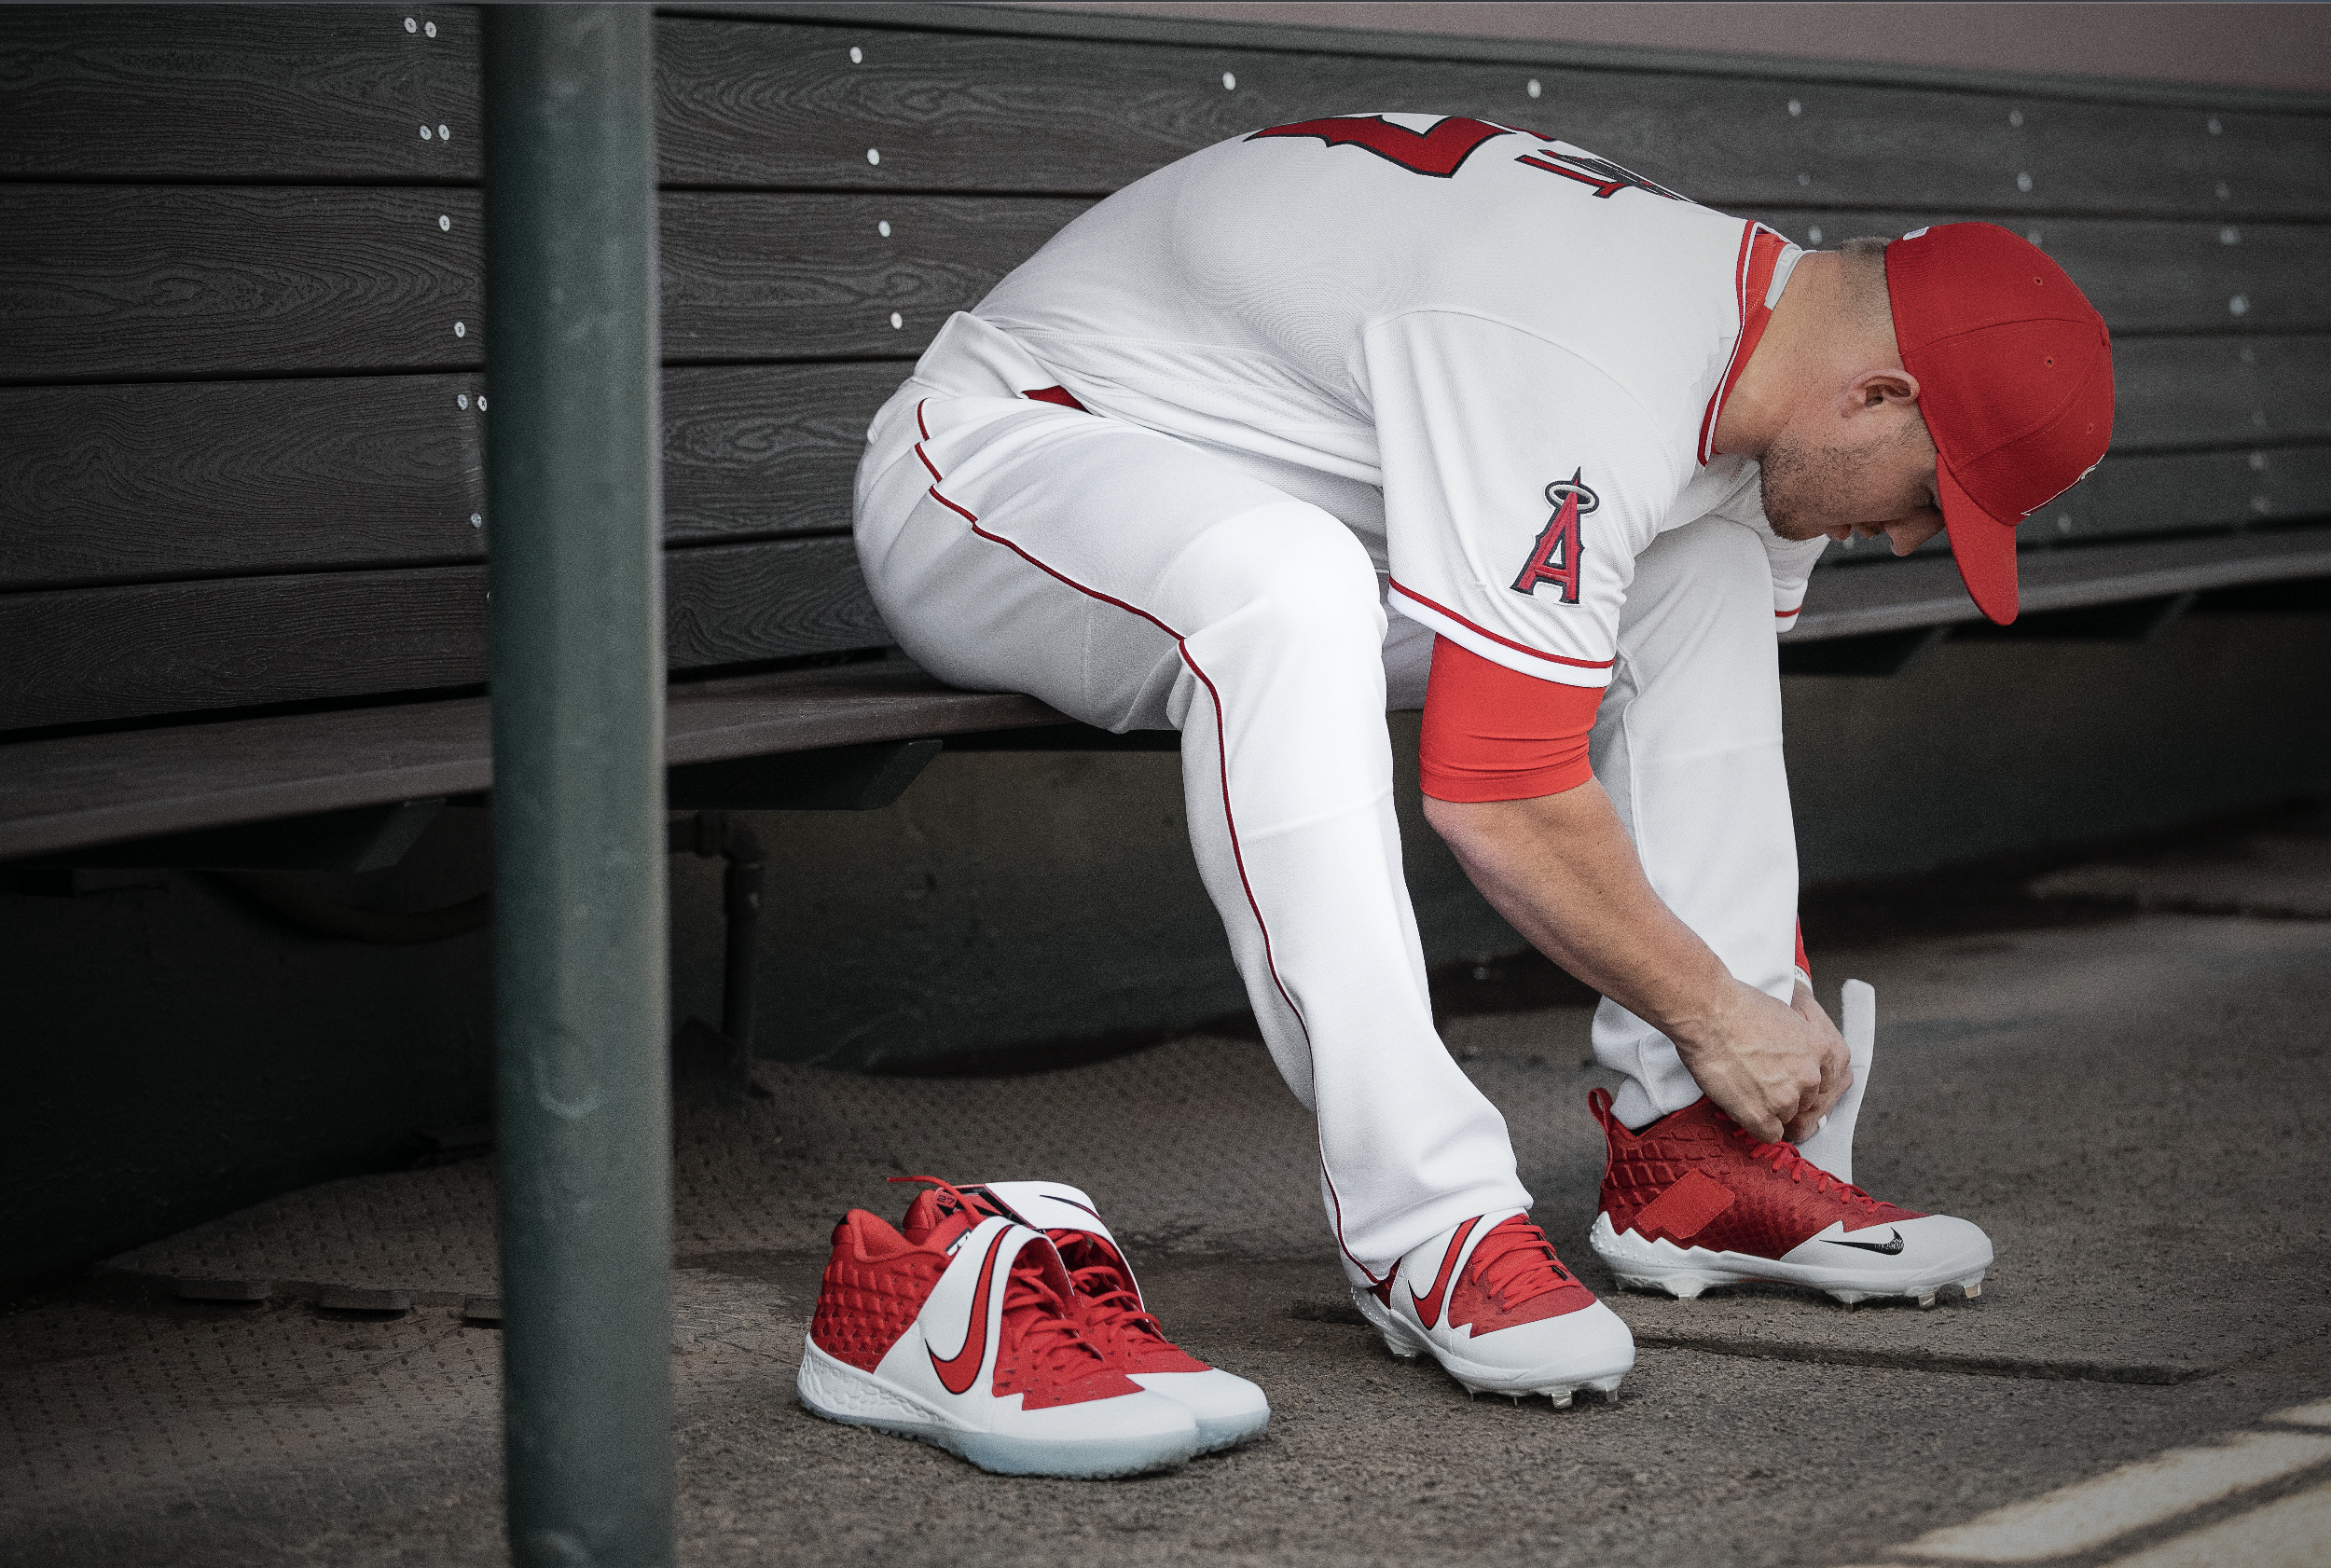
x=1984, y=547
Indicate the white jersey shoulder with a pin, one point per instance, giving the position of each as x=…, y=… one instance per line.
x=1484, y=322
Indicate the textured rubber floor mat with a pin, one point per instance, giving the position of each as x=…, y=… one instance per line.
x=1196, y=1144
x=2025, y=1083
x=2126, y=1107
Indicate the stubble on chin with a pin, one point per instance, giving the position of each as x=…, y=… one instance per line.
x=1792, y=482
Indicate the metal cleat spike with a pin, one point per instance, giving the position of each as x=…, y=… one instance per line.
x=1927, y=1299
x=1971, y=1291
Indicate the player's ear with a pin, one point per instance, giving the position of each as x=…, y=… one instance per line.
x=1872, y=390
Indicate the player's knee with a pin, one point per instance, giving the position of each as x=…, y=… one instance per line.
x=1292, y=573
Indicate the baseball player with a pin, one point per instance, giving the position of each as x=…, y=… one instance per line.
x=1388, y=410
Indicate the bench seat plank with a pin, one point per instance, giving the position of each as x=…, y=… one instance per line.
x=73, y=791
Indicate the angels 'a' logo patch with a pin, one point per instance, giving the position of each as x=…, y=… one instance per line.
x=1588, y=500
x=1559, y=552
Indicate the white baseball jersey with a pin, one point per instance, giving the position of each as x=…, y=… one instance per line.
x=1483, y=322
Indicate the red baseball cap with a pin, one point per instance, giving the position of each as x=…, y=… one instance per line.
x=2015, y=375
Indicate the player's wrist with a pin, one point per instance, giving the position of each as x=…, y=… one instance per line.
x=1708, y=1021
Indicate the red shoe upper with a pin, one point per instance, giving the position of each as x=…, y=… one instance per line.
x=876, y=1281
x=1696, y=1179
x=1513, y=1278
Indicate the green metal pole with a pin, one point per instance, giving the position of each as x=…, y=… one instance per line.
x=583, y=1103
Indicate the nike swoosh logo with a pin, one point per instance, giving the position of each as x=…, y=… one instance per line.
x=1888, y=1248
x=960, y=1370
x=1428, y=1307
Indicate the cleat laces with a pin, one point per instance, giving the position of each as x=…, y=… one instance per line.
x=1040, y=1325
x=1111, y=1305
x=1784, y=1157
x=1515, y=1262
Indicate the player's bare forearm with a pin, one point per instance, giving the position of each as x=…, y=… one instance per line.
x=1563, y=871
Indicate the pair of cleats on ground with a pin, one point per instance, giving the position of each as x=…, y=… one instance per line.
x=1005, y=1324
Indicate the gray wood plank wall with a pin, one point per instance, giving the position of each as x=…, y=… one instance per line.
x=247, y=436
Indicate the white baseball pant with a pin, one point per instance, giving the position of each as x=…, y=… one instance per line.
x=1136, y=581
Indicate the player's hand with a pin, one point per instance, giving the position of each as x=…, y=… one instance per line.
x=1775, y=1069
x=1837, y=1074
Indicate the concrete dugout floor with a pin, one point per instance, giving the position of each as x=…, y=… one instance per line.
x=2128, y=1093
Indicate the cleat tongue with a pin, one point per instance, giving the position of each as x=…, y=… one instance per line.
x=937, y=1216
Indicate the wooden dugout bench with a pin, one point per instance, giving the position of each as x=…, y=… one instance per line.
x=243, y=520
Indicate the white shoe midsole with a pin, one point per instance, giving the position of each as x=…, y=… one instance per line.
x=1083, y=1449
x=1950, y=1253
x=1601, y=1360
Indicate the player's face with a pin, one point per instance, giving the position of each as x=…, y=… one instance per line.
x=1869, y=472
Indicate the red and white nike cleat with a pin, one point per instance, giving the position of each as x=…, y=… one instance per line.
x=1693, y=1201
x=1492, y=1303
x=1228, y=1408
x=966, y=1339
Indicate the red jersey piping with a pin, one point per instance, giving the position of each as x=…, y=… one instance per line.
x=1752, y=280
x=1406, y=592
x=1182, y=645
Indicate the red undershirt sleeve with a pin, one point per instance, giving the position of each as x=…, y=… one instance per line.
x=1494, y=734
x=1804, y=965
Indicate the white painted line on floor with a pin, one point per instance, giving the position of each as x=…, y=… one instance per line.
x=2306, y=1415
x=2086, y=1515
x=2294, y=1533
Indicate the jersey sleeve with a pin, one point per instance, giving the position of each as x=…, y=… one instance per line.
x=1491, y=733
x=1520, y=483
x=1792, y=561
